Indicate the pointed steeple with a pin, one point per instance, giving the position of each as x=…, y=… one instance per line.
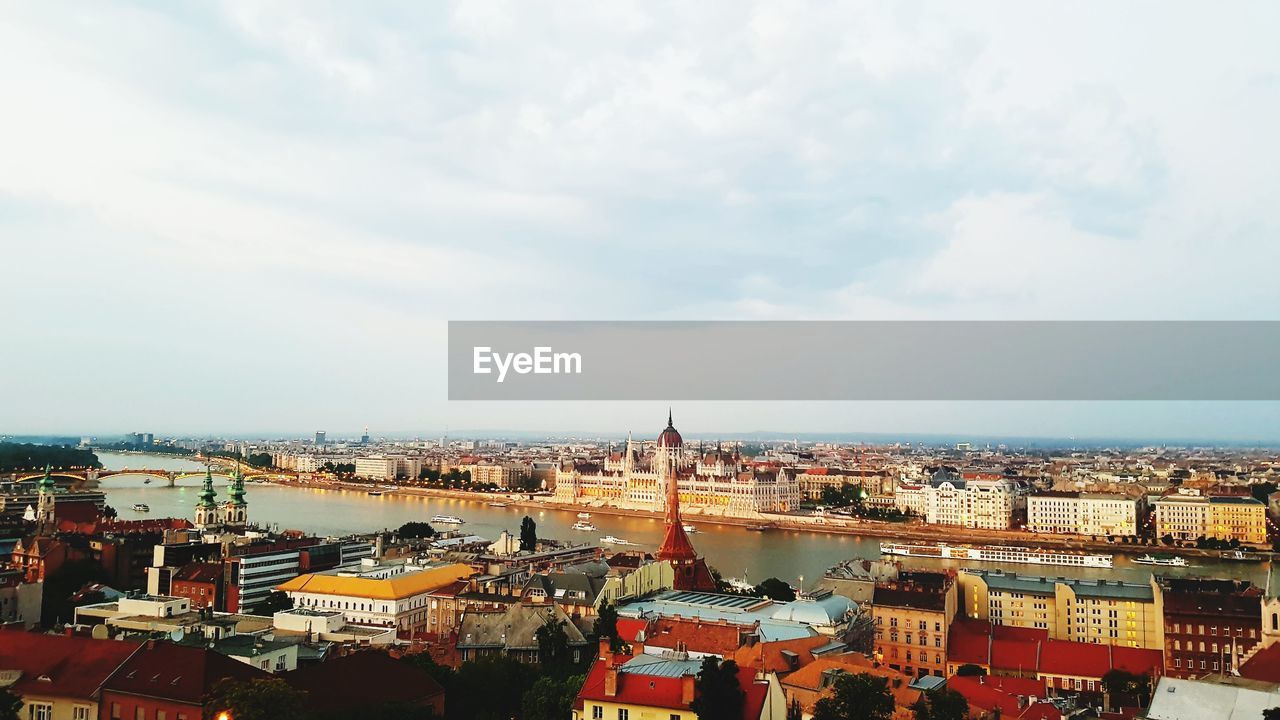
x=207, y=493
x=237, y=487
x=675, y=544
x=46, y=482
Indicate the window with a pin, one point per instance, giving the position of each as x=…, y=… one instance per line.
x=115, y=711
x=160, y=715
x=624, y=714
x=139, y=713
x=597, y=712
x=40, y=711
x=80, y=712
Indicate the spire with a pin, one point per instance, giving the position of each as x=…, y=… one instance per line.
x=207, y=493
x=237, y=487
x=46, y=482
x=669, y=423
x=675, y=544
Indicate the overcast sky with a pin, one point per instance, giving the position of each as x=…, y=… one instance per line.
x=258, y=217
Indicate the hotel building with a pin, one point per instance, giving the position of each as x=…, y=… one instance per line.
x=1081, y=513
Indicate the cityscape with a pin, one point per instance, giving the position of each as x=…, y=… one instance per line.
x=1032, y=582
x=580, y=360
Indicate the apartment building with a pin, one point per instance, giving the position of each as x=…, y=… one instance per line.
x=912, y=614
x=1187, y=516
x=1090, y=611
x=967, y=499
x=1081, y=513
x=1209, y=625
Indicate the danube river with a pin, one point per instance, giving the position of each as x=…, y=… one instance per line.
x=733, y=550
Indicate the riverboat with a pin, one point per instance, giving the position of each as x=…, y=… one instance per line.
x=140, y=507
x=1172, y=561
x=584, y=525
x=998, y=554
x=447, y=520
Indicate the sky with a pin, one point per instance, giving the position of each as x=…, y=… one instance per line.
x=259, y=216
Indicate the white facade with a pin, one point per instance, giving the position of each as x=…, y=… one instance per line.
x=976, y=502
x=1082, y=514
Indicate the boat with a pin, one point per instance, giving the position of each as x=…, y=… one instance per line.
x=146, y=481
x=757, y=528
x=139, y=507
x=998, y=554
x=690, y=529
x=447, y=519
x=584, y=525
x=611, y=540
x=375, y=492
x=497, y=504
x=1240, y=556
x=739, y=584
x=1170, y=561
x=585, y=516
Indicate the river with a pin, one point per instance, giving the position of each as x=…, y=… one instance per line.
x=733, y=550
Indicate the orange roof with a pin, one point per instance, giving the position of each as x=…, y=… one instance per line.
x=392, y=588
x=767, y=656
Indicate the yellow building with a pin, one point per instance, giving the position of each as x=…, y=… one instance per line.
x=1093, y=611
x=1187, y=517
x=912, y=615
x=380, y=595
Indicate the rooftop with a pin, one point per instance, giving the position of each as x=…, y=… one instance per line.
x=386, y=588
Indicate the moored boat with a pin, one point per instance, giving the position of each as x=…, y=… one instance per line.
x=998, y=554
x=584, y=525
x=140, y=507
x=613, y=540
x=447, y=519
x=1168, y=561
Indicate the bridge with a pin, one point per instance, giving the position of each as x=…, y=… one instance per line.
x=90, y=478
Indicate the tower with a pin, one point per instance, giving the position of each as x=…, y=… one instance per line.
x=46, y=518
x=666, y=459
x=206, y=508
x=235, y=512
x=691, y=572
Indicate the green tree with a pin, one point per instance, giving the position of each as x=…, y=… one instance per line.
x=856, y=697
x=606, y=625
x=1126, y=689
x=775, y=589
x=718, y=694
x=942, y=704
x=257, y=699
x=1268, y=714
x=259, y=460
x=551, y=699
x=273, y=603
x=970, y=670
x=528, y=535
x=416, y=530
x=553, y=648
x=10, y=704
x=491, y=688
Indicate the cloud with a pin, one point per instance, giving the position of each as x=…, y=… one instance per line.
x=359, y=175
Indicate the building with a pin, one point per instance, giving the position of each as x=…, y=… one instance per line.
x=320, y=437
x=395, y=595
x=911, y=615
x=166, y=680
x=819, y=613
x=58, y=676
x=1209, y=625
x=809, y=684
x=622, y=687
x=1080, y=513
x=231, y=515
x=1188, y=517
x=971, y=499
x=689, y=572
x=716, y=483
x=368, y=682
x=1092, y=611
x=1220, y=699
x=200, y=583
x=513, y=632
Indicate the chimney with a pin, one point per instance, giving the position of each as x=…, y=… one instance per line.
x=686, y=689
x=637, y=646
x=611, y=681
x=606, y=652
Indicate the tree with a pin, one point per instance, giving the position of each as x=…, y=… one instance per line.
x=273, y=603
x=109, y=512
x=942, y=704
x=10, y=704
x=416, y=530
x=491, y=688
x=259, y=460
x=775, y=589
x=56, y=605
x=607, y=626
x=970, y=670
x=1268, y=714
x=553, y=647
x=528, y=535
x=551, y=699
x=257, y=699
x=718, y=694
x=856, y=697
x=1126, y=689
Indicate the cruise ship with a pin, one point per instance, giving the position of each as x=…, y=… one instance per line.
x=447, y=519
x=997, y=554
x=583, y=525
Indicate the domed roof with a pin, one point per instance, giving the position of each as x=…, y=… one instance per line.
x=670, y=437
x=818, y=609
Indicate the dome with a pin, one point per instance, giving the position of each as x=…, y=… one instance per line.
x=819, y=609
x=670, y=437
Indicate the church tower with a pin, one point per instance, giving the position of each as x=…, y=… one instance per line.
x=206, y=509
x=46, y=519
x=691, y=571
x=235, y=512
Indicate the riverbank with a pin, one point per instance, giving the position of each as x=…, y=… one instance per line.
x=912, y=531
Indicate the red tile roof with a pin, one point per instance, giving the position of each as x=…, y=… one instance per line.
x=61, y=665
x=363, y=680
x=1077, y=659
x=180, y=673
x=1264, y=665
x=715, y=638
x=660, y=692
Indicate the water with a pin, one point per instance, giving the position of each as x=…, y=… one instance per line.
x=733, y=550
